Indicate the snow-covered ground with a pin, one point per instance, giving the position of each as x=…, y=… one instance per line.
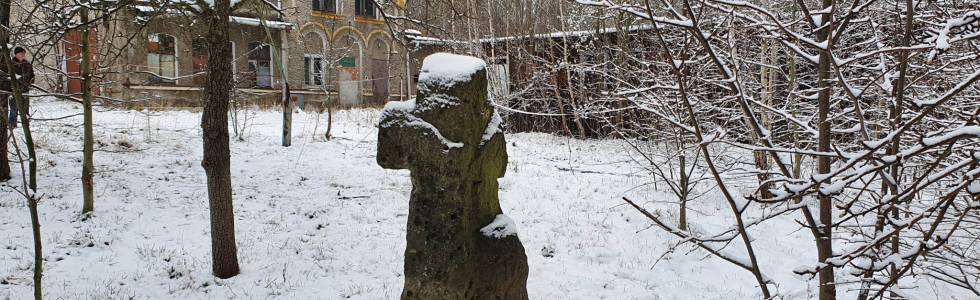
x=321, y=220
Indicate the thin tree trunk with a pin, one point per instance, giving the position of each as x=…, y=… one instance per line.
x=19, y=98
x=287, y=116
x=898, y=91
x=329, y=120
x=682, y=219
x=797, y=157
x=568, y=77
x=217, y=156
x=561, y=105
x=88, y=194
x=38, y=258
x=234, y=119
x=4, y=161
x=17, y=92
x=825, y=248
x=766, y=82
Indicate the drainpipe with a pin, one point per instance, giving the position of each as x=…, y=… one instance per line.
x=408, y=75
x=408, y=67
x=284, y=50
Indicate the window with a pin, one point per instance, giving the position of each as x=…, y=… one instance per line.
x=313, y=65
x=260, y=63
x=325, y=5
x=199, y=51
x=313, y=62
x=364, y=8
x=161, y=58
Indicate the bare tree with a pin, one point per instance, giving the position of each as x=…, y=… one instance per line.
x=29, y=173
x=88, y=187
x=886, y=133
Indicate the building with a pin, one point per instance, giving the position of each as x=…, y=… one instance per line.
x=338, y=52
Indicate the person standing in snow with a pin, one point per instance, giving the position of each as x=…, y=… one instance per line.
x=24, y=72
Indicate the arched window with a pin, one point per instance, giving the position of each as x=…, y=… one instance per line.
x=161, y=57
x=379, y=54
x=347, y=50
x=313, y=60
x=345, y=55
x=379, y=49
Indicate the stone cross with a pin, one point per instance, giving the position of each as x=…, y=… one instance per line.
x=460, y=244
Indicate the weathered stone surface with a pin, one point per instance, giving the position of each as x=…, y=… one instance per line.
x=460, y=246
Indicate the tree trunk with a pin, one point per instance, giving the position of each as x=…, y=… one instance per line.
x=234, y=119
x=329, y=120
x=287, y=116
x=568, y=76
x=797, y=157
x=685, y=181
x=766, y=82
x=88, y=194
x=561, y=105
x=4, y=162
x=217, y=156
x=898, y=92
x=825, y=244
x=38, y=257
x=19, y=98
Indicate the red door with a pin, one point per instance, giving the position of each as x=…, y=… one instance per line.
x=73, y=60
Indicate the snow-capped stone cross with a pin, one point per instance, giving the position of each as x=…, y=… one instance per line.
x=451, y=141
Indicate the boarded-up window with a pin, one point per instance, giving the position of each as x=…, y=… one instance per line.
x=260, y=63
x=200, y=53
x=161, y=57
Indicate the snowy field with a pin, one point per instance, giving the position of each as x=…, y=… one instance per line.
x=321, y=220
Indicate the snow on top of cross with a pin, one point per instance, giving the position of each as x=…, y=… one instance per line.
x=501, y=227
x=447, y=69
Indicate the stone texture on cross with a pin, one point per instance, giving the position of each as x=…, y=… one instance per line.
x=460, y=245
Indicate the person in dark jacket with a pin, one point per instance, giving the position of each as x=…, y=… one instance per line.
x=24, y=74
